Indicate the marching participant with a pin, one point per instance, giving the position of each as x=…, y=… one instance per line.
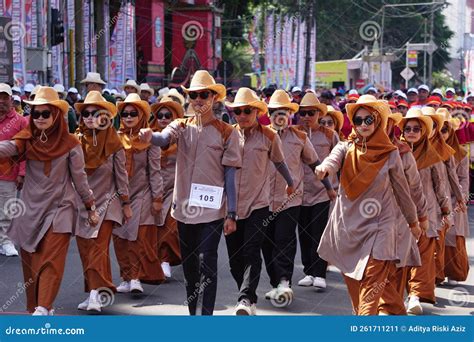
x=333, y=119
x=360, y=236
x=260, y=145
x=165, y=112
x=417, y=129
x=207, y=158
x=54, y=174
x=314, y=211
x=105, y=167
x=135, y=241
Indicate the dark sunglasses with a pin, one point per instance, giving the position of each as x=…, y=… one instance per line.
x=326, y=123
x=85, y=114
x=368, y=120
x=194, y=95
x=415, y=129
x=166, y=115
x=45, y=114
x=309, y=113
x=133, y=114
x=444, y=130
x=246, y=111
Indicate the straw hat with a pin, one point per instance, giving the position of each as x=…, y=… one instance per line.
x=134, y=99
x=396, y=117
x=132, y=83
x=311, y=101
x=146, y=87
x=35, y=90
x=455, y=123
x=49, y=96
x=369, y=101
x=176, y=94
x=415, y=113
x=337, y=116
x=169, y=103
x=444, y=113
x=96, y=99
x=202, y=80
x=247, y=97
x=438, y=118
x=280, y=99
x=93, y=77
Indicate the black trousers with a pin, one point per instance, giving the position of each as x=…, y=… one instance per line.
x=311, y=225
x=279, y=245
x=196, y=239
x=243, y=247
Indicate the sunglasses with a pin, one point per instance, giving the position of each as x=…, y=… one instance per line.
x=246, y=111
x=133, y=114
x=368, y=120
x=45, y=114
x=326, y=122
x=309, y=113
x=166, y=115
x=194, y=95
x=85, y=114
x=444, y=130
x=415, y=129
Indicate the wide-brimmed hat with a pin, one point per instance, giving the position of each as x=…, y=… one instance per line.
x=93, y=77
x=369, y=101
x=337, y=116
x=146, y=87
x=202, y=80
x=415, y=113
x=49, y=96
x=174, y=93
x=247, y=97
x=311, y=101
x=169, y=103
x=438, y=118
x=396, y=117
x=134, y=99
x=132, y=83
x=94, y=98
x=280, y=99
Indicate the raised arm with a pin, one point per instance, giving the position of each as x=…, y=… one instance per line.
x=121, y=176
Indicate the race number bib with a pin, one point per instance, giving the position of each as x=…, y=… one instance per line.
x=206, y=196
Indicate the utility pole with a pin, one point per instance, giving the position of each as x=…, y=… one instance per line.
x=309, y=25
x=99, y=17
x=430, y=67
x=79, y=42
x=298, y=33
x=425, y=22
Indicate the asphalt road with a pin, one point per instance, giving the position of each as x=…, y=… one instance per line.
x=168, y=298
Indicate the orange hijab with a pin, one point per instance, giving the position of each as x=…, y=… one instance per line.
x=364, y=159
x=402, y=146
x=98, y=145
x=424, y=152
x=440, y=146
x=33, y=144
x=453, y=142
x=131, y=141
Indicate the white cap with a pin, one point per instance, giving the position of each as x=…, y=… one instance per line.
x=412, y=90
x=16, y=89
x=163, y=91
x=371, y=89
x=353, y=92
x=5, y=88
x=59, y=88
x=113, y=92
x=28, y=88
x=16, y=98
x=451, y=90
x=424, y=87
x=79, y=97
x=73, y=90
x=437, y=91
x=296, y=89
x=106, y=90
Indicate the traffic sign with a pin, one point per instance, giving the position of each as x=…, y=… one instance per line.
x=407, y=74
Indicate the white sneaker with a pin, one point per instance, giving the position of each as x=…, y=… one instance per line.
x=165, y=266
x=83, y=305
x=243, y=308
x=414, y=306
x=9, y=249
x=51, y=312
x=41, y=311
x=284, y=295
x=94, y=302
x=253, y=309
x=124, y=287
x=452, y=282
x=271, y=294
x=319, y=282
x=136, y=286
x=306, y=281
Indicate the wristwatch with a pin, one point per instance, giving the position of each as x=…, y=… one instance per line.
x=232, y=215
x=92, y=208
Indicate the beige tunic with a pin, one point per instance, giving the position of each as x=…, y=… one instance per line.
x=299, y=153
x=109, y=182
x=168, y=170
x=48, y=201
x=260, y=149
x=201, y=159
x=146, y=185
x=461, y=220
x=314, y=190
x=366, y=226
x=435, y=194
